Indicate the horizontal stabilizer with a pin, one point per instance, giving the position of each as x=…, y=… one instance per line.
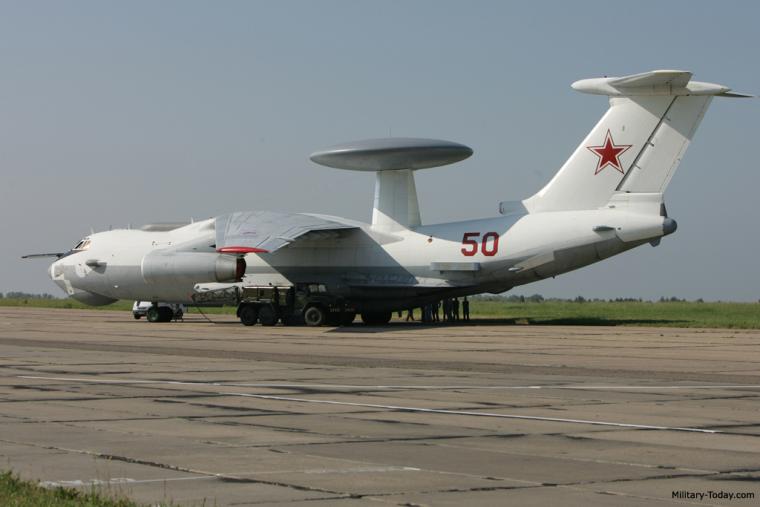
x=655, y=82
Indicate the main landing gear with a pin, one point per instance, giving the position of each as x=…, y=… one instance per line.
x=376, y=318
x=163, y=314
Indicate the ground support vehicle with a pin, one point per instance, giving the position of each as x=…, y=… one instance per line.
x=308, y=303
x=157, y=312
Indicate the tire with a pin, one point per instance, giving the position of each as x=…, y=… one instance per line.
x=248, y=314
x=376, y=318
x=347, y=318
x=314, y=316
x=165, y=314
x=267, y=315
x=153, y=314
x=136, y=316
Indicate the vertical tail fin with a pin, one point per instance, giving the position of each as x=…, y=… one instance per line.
x=638, y=143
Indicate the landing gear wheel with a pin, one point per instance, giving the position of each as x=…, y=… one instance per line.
x=347, y=318
x=153, y=314
x=267, y=315
x=136, y=316
x=248, y=315
x=314, y=316
x=165, y=314
x=376, y=318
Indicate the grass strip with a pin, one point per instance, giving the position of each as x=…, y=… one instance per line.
x=15, y=492
x=693, y=314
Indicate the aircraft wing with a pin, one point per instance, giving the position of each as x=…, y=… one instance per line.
x=268, y=231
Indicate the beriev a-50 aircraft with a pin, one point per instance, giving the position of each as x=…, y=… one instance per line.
x=607, y=198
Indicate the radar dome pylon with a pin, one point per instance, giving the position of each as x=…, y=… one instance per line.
x=394, y=160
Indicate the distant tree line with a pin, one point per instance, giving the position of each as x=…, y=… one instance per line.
x=25, y=295
x=538, y=298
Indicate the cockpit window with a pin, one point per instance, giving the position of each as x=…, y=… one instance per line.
x=82, y=245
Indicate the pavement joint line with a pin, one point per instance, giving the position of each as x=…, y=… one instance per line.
x=410, y=387
x=480, y=414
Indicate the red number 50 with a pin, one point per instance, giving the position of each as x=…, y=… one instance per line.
x=469, y=252
x=486, y=248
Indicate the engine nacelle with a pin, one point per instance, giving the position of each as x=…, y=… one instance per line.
x=191, y=268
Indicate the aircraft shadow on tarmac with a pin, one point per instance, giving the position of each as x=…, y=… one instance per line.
x=358, y=327
x=567, y=321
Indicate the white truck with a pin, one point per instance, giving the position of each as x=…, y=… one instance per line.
x=161, y=312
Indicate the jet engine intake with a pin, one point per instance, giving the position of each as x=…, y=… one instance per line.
x=191, y=267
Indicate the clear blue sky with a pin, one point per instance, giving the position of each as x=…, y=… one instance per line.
x=114, y=113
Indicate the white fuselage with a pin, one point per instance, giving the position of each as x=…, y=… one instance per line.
x=376, y=269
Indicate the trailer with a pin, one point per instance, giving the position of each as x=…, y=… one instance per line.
x=308, y=303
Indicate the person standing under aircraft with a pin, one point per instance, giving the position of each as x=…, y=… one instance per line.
x=466, y=310
x=455, y=306
x=410, y=314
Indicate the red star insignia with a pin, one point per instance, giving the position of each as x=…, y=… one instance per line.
x=609, y=153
